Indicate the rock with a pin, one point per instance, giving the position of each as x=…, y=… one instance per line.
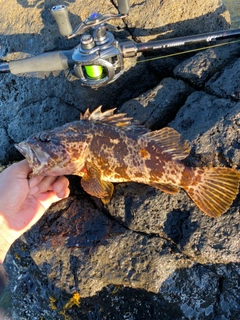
x=158, y=106
x=215, y=132
x=203, y=65
x=146, y=254
x=100, y=252
x=5, y=144
x=224, y=86
x=36, y=116
x=175, y=217
x=169, y=19
x=204, y=282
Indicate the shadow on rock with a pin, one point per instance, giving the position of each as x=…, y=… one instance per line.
x=179, y=227
x=199, y=292
x=38, y=3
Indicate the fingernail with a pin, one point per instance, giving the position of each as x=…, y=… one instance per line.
x=63, y=194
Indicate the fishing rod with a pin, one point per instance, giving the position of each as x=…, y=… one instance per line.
x=98, y=59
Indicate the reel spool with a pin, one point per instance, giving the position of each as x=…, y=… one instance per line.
x=98, y=59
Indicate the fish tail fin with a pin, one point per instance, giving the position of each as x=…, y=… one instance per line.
x=213, y=189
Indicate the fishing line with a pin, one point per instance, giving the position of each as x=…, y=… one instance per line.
x=188, y=51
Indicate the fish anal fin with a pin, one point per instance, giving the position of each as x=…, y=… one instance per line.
x=167, y=188
x=93, y=184
x=171, y=142
x=214, y=189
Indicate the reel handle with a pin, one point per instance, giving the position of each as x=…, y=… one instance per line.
x=60, y=14
x=123, y=6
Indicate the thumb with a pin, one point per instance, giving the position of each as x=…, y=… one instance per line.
x=20, y=169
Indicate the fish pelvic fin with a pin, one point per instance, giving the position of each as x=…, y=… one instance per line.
x=213, y=189
x=93, y=184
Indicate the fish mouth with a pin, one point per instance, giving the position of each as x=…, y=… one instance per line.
x=35, y=156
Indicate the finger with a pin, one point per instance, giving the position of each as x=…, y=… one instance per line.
x=44, y=185
x=23, y=167
x=64, y=193
x=60, y=187
x=47, y=198
x=35, y=181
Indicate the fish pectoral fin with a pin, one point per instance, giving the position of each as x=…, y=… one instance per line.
x=94, y=185
x=167, y=188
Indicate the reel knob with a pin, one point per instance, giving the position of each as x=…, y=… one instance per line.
x=60, y=14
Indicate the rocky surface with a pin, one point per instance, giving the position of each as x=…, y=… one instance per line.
x=146, y=254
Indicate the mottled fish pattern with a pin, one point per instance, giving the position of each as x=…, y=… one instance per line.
x=106, y=147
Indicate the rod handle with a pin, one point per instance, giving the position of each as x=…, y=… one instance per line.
x=49, y=61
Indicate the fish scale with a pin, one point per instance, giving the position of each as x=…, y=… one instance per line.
x=104, y=147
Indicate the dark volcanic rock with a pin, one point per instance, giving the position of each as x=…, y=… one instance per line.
x=214, y=133
x=199, y=68
x=160, y=103
x=147, y=254
x=226, y=83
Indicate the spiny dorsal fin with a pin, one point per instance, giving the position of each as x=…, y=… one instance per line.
x=118, y=119
x=171, y=142
x=115, y=119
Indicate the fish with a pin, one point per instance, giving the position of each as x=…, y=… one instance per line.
x=105, y=147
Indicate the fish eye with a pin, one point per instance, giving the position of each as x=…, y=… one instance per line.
x=44, y=137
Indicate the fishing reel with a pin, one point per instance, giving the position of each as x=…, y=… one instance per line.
x=98, y=59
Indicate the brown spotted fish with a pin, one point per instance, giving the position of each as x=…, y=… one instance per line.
x=104, y=147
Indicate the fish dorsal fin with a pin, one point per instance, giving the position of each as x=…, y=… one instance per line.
x=116, y=119
x=171, y=142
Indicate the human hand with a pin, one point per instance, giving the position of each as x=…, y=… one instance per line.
x=23, y=201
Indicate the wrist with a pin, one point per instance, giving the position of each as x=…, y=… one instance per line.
x=5, y=244
x=3, y=251
x=6, y=238
x=4, y=247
